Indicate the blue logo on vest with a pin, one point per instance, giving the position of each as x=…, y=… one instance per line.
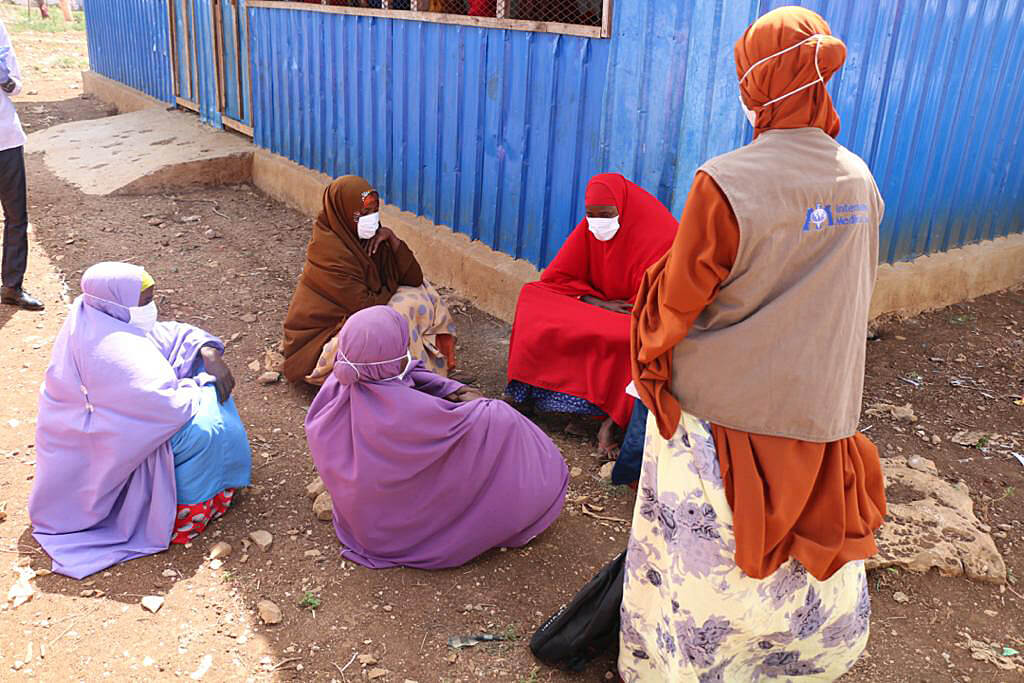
x=818, y=216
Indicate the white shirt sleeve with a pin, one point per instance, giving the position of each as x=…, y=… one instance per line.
x=11, y=61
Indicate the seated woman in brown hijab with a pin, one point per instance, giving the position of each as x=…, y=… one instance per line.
x=353, y=262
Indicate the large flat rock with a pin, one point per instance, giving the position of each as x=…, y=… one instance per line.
x=144, y=151
x=931, y=525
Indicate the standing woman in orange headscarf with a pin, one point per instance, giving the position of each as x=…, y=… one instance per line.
x=758, y=497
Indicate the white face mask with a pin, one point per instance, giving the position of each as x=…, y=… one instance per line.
x=603, y=229
x=143, y=317
x=400, y=376
x=751, y=115
x=368, y=225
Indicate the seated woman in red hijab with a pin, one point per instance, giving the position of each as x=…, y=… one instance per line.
x=569, y=351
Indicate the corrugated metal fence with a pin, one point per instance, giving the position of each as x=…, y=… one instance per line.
x=930, y=96
x=492, y=132
x=128, y=42
x=495, y=132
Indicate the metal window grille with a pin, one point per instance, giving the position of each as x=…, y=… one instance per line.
x=580, y=17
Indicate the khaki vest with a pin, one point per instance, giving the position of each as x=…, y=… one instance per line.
x=780, y=350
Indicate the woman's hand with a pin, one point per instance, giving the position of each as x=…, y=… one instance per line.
x=464, y=395
x=613, y=306
x=213, y=360
x=383, y=235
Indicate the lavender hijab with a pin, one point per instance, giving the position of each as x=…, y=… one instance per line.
x=104, y=487
x=416, y=480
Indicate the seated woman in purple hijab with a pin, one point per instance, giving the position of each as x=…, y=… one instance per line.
x=423, y=472
x=138, y=441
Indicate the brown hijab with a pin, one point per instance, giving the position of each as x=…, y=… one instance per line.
x=775, y=31
x=339, y=277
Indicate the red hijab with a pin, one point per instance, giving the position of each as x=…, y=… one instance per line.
x=612, y=270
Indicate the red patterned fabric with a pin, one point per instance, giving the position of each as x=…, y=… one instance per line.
x=192, y=519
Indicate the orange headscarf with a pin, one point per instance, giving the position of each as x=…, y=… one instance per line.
x=775, y=31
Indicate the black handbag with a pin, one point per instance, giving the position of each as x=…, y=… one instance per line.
x=588, y=626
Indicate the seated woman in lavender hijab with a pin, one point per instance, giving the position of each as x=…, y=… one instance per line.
x=139, y=444
x=423, y=471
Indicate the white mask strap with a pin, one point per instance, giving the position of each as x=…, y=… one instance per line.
x=356, y=366
x=821, y=79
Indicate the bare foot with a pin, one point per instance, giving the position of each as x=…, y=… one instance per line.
x=606, y=444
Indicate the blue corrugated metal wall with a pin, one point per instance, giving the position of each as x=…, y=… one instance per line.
x=492, y=132
x=930, y=96
x=129, y=42
x=495, y=132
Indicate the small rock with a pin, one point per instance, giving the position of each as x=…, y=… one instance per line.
x=936, y=439
x=269, y=612
x=991, y=613
x=87, y=593
x=312, y=553
x=575, y=472
x=216, y=564
x=606, y=471
x=220, y=550
x=368, y=660
x=377, y=674
x=315, y=488
x=211, y=234
x=387, y=608
x=152, y=603
x=262, y=539
x=190, y=219
x=452, y=658
x=272, y=360
x=901, y=597
x=323, y=507
x=169, y=574
x=156, y=221
x=18, y=664
x=249, y=318
x=269, y=378
x=254, y=366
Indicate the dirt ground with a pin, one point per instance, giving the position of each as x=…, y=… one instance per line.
x=237, y=285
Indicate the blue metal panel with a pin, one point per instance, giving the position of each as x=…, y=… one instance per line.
x=492, y=132
x=129, y=42
x=928, y=97
x=204, y=58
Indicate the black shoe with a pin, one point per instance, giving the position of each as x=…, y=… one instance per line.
x=21, y=299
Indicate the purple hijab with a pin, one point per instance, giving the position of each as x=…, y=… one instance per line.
x=416, y=480
x=104, y=488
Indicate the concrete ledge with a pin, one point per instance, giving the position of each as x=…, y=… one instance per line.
x=939, y=280
x=490, y=279
x=124, y=98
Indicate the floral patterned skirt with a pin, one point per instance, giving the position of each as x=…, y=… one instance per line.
x=431, y=332
x=689, y=613
x=192, y=519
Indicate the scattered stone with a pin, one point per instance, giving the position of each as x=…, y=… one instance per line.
x=606, y=471
x=152, y=603
x=312, y=553
x=991, y=613
x=575, y=472
x=387, y=608
x=269, y=378
x=452, y=658
x=87, y=593
x=377, y=674
x=935, y=528
x=323, y=507
x=254, y=366
x=262, y=539
x=315, y=488
x=18, y=664
x=212, y=234
x=220, y=550
x=903, y=413
x=367, y=660
x=156, y=221
x=22, y=591
x=971, y=439
x=249, y=318
x=901, y=597
x=216, y=564
x=169, y=574
x=190, y=219
x=269, y=612
x=936, y=439
x=204, y=666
